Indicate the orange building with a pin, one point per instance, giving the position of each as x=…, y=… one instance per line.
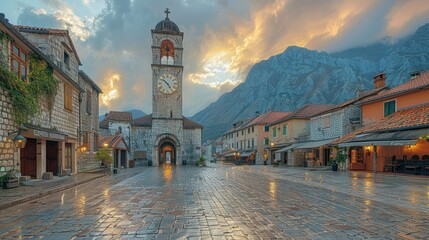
x=395, y=131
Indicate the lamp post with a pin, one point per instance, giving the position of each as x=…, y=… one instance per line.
x=19, y=141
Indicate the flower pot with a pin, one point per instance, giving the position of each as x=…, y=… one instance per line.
x=10, y=183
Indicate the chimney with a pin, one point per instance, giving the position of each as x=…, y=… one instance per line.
x=257, y=113
x=414, y=75
x=380, y=80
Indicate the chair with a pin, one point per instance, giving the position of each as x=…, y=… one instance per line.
x=390, y=164
x=426, y=166
x=413, y=166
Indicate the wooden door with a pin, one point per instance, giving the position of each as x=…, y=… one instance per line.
x=29, y=158
x=52, y=157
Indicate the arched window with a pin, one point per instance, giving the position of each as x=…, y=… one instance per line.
x=167, y=52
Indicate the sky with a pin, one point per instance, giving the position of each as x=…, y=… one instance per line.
x=223, y=39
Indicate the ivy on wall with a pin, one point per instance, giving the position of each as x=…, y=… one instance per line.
x=25, y=96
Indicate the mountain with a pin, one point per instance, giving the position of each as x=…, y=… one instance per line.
x=298, y=76
x=136, y=114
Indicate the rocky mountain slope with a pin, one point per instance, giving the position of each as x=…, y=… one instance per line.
x=299, y=76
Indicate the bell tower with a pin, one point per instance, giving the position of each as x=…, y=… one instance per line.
x=167, y=70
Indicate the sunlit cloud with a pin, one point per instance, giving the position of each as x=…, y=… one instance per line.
x=110, y=87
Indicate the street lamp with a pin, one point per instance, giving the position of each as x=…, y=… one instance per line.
x=19, y=141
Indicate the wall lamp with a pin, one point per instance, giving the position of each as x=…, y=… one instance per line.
x=19, y=141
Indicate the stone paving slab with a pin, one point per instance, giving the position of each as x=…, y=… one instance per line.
x=37, y=188
x=227, y=202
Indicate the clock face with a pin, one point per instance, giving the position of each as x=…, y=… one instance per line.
x=167, y=83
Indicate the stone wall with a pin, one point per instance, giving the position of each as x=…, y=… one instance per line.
x=339, y=124
x=59, y=118
x=7, y=125
x=191, y=145
x=52, y=47
x=87, y=162
x=140, y=136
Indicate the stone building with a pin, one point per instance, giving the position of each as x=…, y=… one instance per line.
x=165, y=136
x=89, y=127
x=52, y=134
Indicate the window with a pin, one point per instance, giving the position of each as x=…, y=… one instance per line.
x=266, y=141
x=266, y=128
x=88, y=102
x=253, y=142
x=66, y=59
x=248, y=143
x=19, y=63
x=167, y=52
x=248, y=130
x=326, y=121
x=274, y=132
x=68, y=94
x=285, y=130
x=237, y=134
x=389, y=107
x=242, y=132
x=86, y=140
x=253, y=129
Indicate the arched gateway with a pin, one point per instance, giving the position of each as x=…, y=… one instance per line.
x=167, y=150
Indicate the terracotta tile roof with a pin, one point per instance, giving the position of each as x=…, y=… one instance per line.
x=112, y=141
x=267, y=118
x=189, y=124
x=50, y=31
x=416, y=116
x=145, y=121
x=120, y=116
x=362, y=96
x=418, y=83
x=306, y=111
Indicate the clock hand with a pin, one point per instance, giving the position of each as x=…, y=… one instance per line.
x=166, y=83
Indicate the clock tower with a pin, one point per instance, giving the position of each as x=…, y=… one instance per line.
x=167, y=70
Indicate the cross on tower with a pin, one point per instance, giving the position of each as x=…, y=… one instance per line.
x=167, y=11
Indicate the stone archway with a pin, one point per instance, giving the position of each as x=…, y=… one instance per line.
x=166, y=150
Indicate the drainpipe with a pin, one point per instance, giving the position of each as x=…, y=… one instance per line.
x=374, y=161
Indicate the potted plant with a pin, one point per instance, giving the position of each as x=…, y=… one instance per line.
x=9, y=180
x=103, y=154
x=339, y=160
x=201, y=162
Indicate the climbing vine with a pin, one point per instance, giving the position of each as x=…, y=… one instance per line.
x=25, y=96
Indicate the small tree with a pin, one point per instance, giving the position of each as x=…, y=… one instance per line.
x=103, y=154
x=340, y=158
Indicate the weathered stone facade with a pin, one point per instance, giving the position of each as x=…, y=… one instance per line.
x=89, y=127
x=7, y=125
x=334, y=124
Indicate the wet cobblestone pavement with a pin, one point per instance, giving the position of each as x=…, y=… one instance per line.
x=229, y=202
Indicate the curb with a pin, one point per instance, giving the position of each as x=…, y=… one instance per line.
x=45, y=193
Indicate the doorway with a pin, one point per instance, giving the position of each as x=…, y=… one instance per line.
x=29, y=158
x=326, y=156
x=167, y=154
x=52, y=157
x=123, y=159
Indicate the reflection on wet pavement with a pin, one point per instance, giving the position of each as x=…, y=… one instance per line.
x=230, y=202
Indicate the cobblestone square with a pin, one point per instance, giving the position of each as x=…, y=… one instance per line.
x=229, y=202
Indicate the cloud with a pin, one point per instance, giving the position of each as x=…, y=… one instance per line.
x=223, y=39
x=62, y=17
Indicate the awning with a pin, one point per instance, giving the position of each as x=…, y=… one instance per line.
x=229, y=154
x=315, y=144
x=246, y=154
x=378, y=143
x=394, y=138
x=285, y=149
